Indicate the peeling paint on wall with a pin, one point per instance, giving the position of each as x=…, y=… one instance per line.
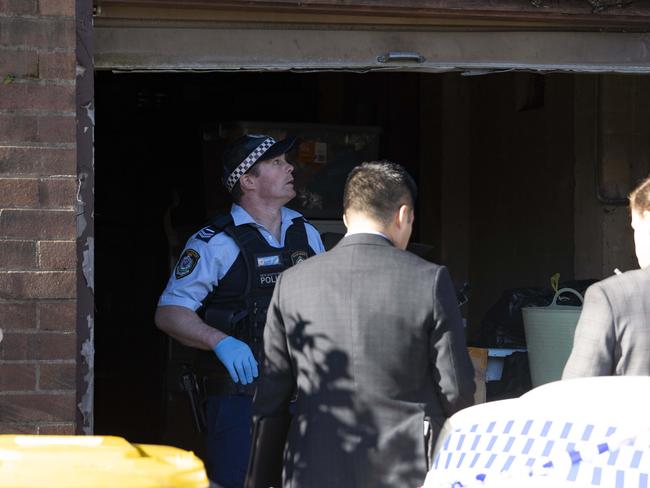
x=87, y=398
x=85, y=225
x=88, y=265
x=90, y=112
x=81, y=206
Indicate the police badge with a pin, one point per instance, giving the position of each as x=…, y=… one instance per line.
x=186, y=263
x=298, y=257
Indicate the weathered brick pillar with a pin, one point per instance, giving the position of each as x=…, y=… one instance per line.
x=39, y=190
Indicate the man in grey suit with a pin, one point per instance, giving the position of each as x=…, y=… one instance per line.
x=613, y=333
x=369, y=339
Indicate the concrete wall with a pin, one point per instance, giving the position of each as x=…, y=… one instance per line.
x=507, y=183
x=38, y=224
x=612, y=150
x=527, y=192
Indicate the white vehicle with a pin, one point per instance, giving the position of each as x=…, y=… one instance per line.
x=576, y=433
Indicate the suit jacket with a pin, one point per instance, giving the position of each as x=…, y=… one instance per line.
x=372, y=338
x=613, y=333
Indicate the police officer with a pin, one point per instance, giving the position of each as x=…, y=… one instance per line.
x=218, y=294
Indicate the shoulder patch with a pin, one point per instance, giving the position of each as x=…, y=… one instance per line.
x=186, y=263
x=206, y=233
x=298, y=257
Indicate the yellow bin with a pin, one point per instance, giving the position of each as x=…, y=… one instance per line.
x=549, y=337
x=32, y=461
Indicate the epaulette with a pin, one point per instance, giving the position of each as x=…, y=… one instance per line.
x=305, y=222
x=216, y=225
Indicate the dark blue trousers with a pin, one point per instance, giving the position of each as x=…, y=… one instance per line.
x=229, y=439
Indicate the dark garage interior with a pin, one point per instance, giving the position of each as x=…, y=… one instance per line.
x=495, y=157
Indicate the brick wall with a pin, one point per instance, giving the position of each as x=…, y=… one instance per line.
x=38, y=230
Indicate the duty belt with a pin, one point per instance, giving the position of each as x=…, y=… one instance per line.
x=225, y=386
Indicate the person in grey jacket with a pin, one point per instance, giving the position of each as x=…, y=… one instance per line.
x=613, y=333
x=369, y=339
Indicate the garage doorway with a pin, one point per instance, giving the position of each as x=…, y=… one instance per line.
x=158, y=140
x=494, y=158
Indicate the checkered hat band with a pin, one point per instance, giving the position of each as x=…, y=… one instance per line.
x=249, y=161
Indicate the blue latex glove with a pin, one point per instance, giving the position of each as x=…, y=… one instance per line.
x=238, y=359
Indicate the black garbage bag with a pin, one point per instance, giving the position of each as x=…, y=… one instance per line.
x=503, y=324
x=515, y=378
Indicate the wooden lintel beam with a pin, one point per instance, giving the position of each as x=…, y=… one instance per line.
x=561, y=13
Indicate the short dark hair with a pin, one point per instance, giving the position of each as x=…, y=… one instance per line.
x=236, y=192
x=379, y=189
x=640, y=197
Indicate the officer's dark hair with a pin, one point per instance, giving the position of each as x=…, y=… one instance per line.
x=640, y=197
x=236, y=192
x=379, y=189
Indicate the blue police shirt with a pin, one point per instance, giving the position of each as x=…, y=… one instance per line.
x=209, y=261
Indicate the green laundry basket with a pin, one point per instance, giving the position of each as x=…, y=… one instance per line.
x=549, y=337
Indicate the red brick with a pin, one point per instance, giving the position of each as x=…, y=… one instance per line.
x=17, y=255
x=57, y=7
x=52, y=128
x=57, y=66
x=57, y=376
x=30, y=128
x=18, y=63
x=37, y=284
x=57, y=429
x=17, y=316
x=32, y=96
x=57, y=255
x=18, y=428
x=53, y=345
x=18, y=7
x=17, y=377
x=39, y=33
x=37, y=161
x=60, y=316
x=56, y=407
x=58, y=193
x=38, y=224
x=17, y=346
x=17, y=128
x=18, y=192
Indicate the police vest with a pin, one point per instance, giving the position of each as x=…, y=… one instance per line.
x=238, y=305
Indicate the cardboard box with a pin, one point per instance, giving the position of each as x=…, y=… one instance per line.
x=479, y=358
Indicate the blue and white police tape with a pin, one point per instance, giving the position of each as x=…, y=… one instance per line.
x=536, y=452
